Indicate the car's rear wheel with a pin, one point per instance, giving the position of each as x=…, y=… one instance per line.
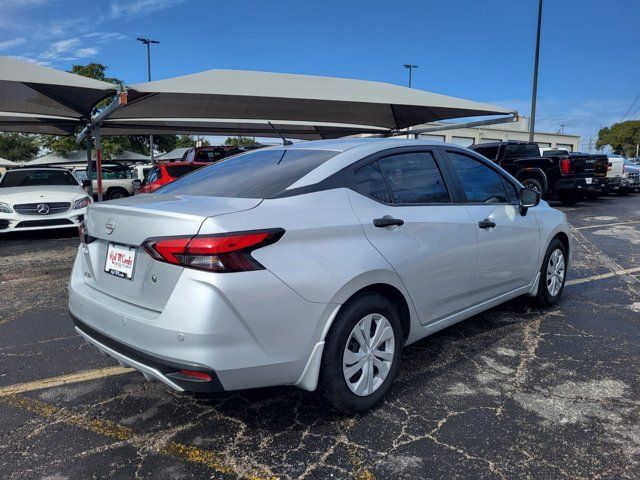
x=552, y=274
x=534, y=184
x=361, y=353
x=115, y=193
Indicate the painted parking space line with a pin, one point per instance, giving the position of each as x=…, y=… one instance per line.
x=606, y=225
x=107, y=428
x=602, y=276
x=63, y=380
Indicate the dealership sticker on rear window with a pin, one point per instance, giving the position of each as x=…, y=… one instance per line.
x=120, y=260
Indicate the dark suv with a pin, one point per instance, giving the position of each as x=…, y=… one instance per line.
x=559, y=174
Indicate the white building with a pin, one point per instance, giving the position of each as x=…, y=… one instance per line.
x=496, y=133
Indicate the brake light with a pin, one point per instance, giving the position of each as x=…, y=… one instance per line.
x=565, y=166
x=229, y=252
x=84, y=236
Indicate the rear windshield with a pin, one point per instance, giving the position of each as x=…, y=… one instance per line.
x=259, y=174
x=177, y=171
x=522, y=150
x=16, y=178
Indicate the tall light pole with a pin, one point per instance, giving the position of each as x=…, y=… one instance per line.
x=148, y=42
x=410, y=67
x=534, y=94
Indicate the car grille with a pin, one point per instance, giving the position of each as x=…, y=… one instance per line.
x=44, y=223
x=52, y=208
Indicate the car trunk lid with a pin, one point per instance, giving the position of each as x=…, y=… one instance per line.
x=128, y=223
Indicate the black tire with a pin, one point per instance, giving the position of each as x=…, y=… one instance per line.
x=569, y=198
x=534, y=184
x=544, y=297
x=332, y=380
x=593, y=195
x=117, y=192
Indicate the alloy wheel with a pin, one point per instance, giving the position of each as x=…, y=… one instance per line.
x=555, y=272
x=368, y=354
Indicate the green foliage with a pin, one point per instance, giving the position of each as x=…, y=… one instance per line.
x=621, y=137
x=96, y=71
x=243, y=141
x=18, y=146
x=185, y=141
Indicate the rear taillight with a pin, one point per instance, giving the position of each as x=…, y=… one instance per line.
x=565, y=166
x=609, y=166
x=228, y=252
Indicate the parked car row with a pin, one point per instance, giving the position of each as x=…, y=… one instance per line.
x=562, y=175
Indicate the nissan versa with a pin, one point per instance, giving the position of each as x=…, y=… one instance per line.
x=310, y=265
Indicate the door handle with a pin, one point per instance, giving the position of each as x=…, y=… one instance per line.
x=387, y=222
x=486, y=223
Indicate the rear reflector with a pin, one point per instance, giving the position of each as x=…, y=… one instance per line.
x=191, y=376
x=229, y=252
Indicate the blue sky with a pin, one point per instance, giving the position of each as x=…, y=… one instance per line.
x=481, y=50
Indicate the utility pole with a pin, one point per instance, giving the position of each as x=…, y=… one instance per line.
x=148, y=42
x=410, y=67
x=534, y=94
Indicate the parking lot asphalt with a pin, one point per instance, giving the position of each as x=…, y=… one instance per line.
x=516, y=392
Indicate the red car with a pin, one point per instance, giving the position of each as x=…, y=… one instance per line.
x=165, y=173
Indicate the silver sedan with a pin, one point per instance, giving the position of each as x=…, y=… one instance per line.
x=311, y=265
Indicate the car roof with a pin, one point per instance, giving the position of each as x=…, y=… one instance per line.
x=180, y=164
x=344, y=144
x=55, y=169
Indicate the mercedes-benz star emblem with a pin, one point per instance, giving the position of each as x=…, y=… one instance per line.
x=110, y=226
x=43, y=208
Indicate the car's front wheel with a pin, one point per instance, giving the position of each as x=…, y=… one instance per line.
x=361, y=354
x=552, y=274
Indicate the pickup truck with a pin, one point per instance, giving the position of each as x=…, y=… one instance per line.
x=617, y=180
x=116, y=183
x=559, y=174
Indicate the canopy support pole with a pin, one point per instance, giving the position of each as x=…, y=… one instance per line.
x=89, y=166
x=94, y=128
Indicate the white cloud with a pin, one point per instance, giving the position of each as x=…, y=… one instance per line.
x=30, y=60
x=85, y=52
x=139, y=8
x=8, y=44
x=61, y=47
x=103, y=37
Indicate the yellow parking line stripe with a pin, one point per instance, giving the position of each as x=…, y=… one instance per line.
x=603, y=276
x=63, y=380
x=606, y=225
x=213, y=460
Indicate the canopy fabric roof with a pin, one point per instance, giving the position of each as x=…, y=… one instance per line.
x=28, y=88
x=175, y=154
x=80, y=156
x=31, y=123
x=233, y=127
x=233, y=94
x=7, y=163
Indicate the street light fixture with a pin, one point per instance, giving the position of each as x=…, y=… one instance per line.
x=148, y=42
x=410, y=67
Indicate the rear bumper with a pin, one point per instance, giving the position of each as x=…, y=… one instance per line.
x=590, y=184
x=246, y=330
x=150, y=366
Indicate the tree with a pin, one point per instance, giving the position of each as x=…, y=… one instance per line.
x=623, y=138
x=18, y=146
x=240, y=141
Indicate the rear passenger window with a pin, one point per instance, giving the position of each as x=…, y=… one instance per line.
x=370, y=182
x=481, y=184
x=414, y=178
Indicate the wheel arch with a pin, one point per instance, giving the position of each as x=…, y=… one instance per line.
x=531, y=172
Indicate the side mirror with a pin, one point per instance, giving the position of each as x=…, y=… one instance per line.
x=137, y=183
x=86, y=183
x=527, y=199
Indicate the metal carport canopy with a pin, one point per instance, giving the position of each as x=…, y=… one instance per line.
x=234, y=94
x=31, y=89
